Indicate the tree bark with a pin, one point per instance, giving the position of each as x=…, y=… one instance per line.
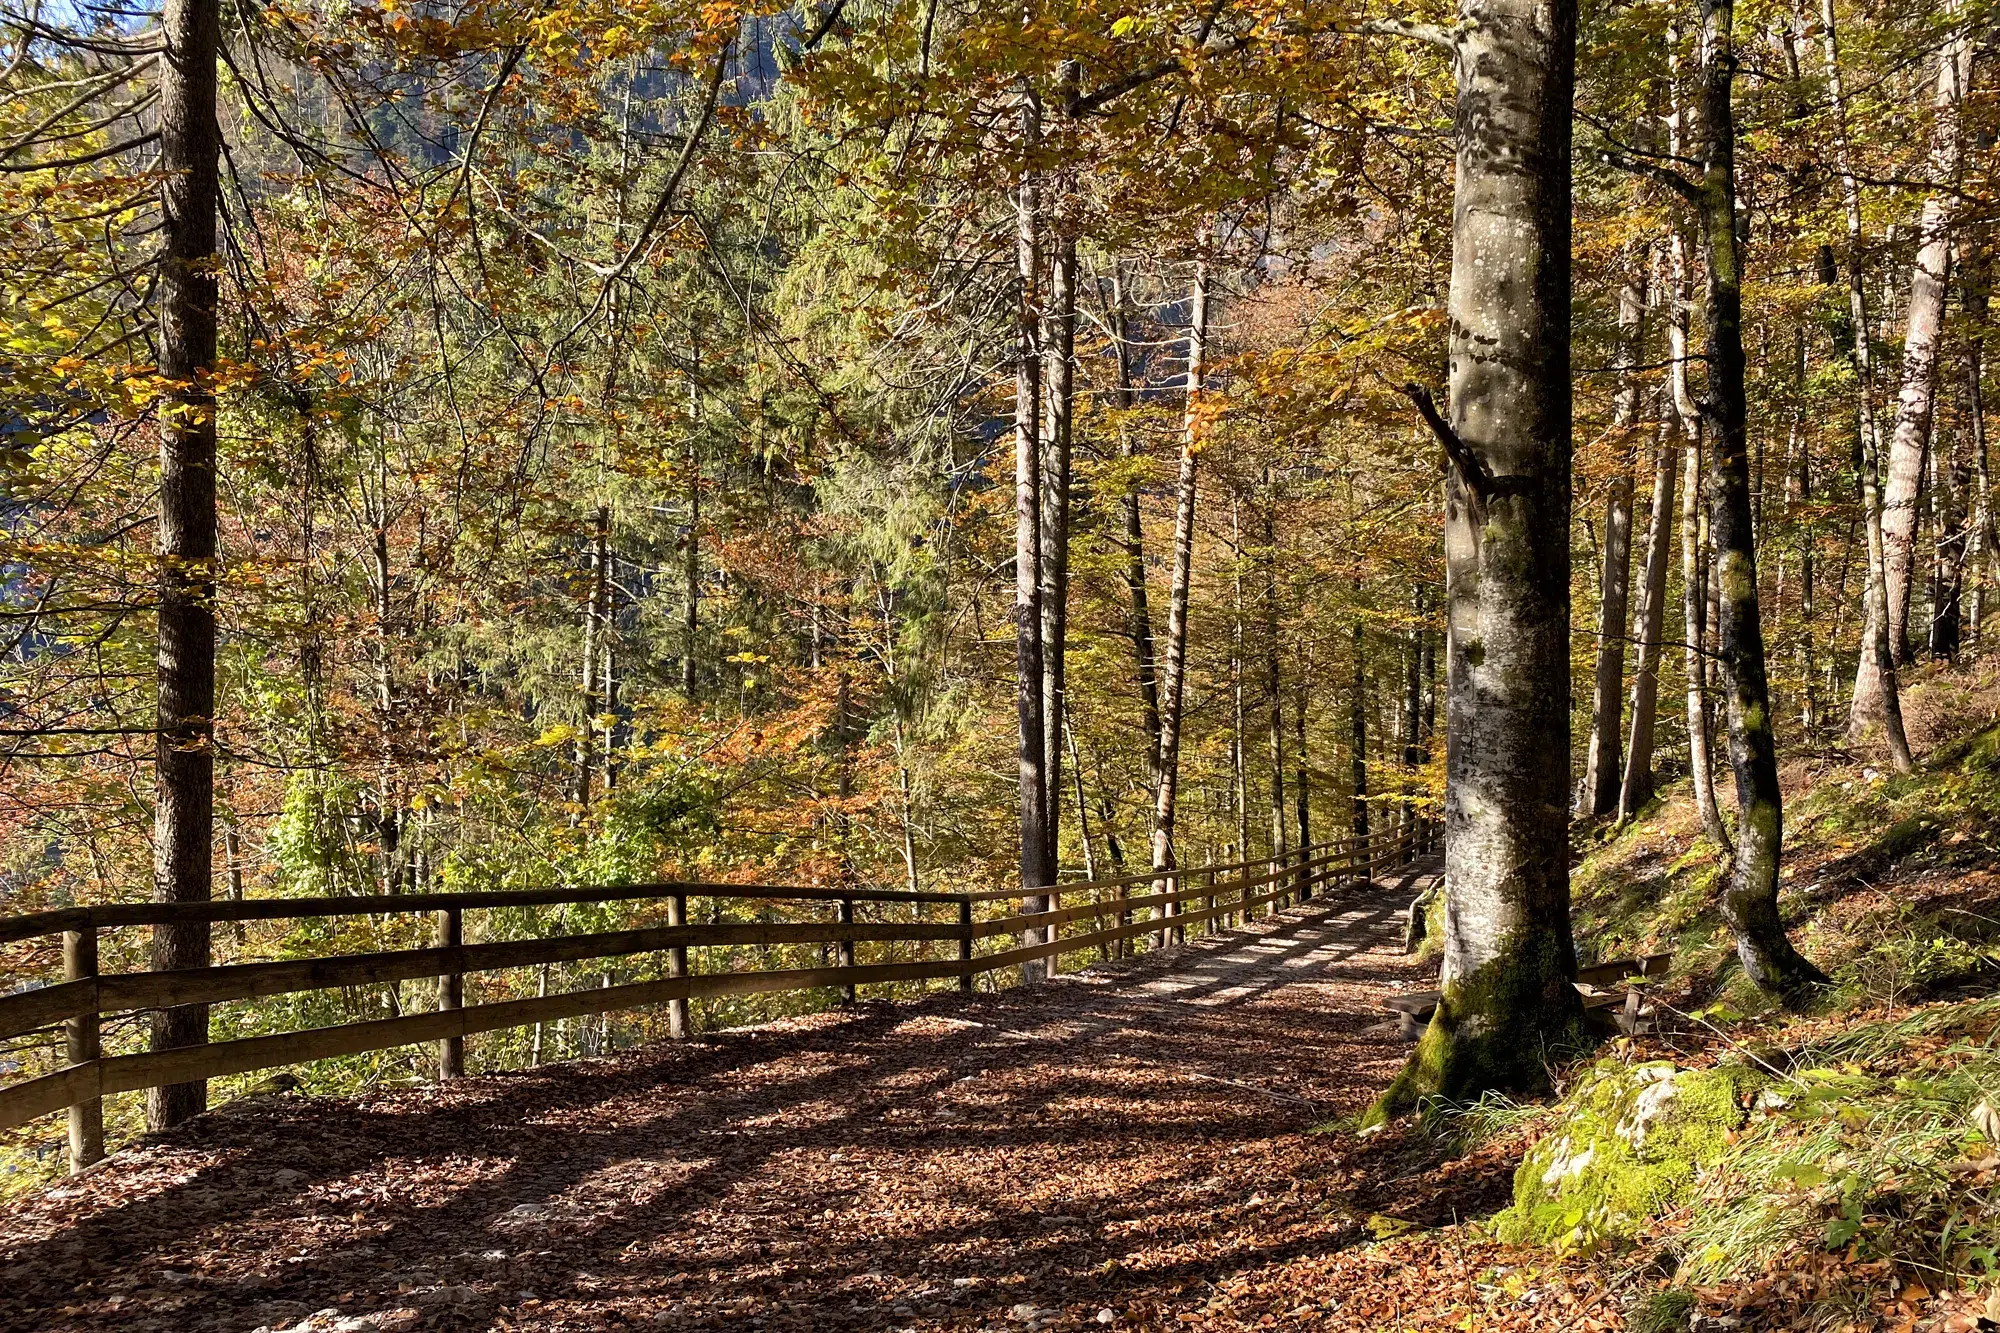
x=1979, y=558
x=184, y=806
x=1357, y=718
x=588, y=701
x=1273, y=684
x=1923, y=331
x=1750, y=902
x=1037, y=862
x=1603, y=764
x=1694, y=568
x=1637, y=788
x=1877, y=700
x=1058, y=384
x=1124, y=394
x=1301, y=789
x=1174, y=681
x=1509, y=959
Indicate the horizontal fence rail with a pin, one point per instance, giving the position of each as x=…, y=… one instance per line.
x=1165, y=905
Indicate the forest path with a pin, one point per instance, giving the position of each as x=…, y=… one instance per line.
x=1121, y=1139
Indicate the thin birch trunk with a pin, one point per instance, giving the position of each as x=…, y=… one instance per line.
x=1909, y=440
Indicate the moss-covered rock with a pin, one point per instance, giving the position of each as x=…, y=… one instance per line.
x=1628, y=1144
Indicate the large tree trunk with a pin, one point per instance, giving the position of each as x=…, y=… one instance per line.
x=1509, y=959
x=1602, y=766
x=1637, y=788
x=1038, y=869
x=184, y=808
x=1877, y=700
x=1174, y=681
x=1924, y=331
x=1750, y=903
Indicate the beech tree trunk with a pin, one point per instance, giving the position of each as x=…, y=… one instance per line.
x=1637, y=788
x=1509, y=959
x=1750, y=902
x=1923, y=331
x=1602, y=764
x=1038, y=869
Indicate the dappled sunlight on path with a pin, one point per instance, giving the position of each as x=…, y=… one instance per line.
x=1119, y=1140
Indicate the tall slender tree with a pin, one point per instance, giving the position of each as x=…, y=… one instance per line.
x=184, y=803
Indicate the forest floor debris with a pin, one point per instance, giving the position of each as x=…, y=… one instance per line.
x=1138, y=1141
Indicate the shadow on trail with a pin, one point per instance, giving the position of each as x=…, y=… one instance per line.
x=1110, y=1138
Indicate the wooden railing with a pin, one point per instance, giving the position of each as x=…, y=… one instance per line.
x=1171, y=903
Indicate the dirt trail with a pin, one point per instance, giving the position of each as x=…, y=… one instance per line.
x=1121, y=1140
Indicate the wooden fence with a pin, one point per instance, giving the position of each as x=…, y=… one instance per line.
x=1168, y=904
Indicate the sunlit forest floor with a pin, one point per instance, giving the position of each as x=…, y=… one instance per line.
x=1131, y=1146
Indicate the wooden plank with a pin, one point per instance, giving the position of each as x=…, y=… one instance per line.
x=26, y=1010
x=32, y=924
x=1322, y=853
x=129, y=1073
x=243, y=981
x=42, y=1096
x=1652, y=965
x=261, y=909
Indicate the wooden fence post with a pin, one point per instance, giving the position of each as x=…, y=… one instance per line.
x=847, y=992
x=677, y=966
x=1209, y=866
x=80, y=1034
x=1051, y=933
x=450, y=934
x=965, y=943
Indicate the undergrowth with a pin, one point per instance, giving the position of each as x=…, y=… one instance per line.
x=1865, y=1166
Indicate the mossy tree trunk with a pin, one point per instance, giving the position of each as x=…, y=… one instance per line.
x=1507, y=999
x=1750, y=902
